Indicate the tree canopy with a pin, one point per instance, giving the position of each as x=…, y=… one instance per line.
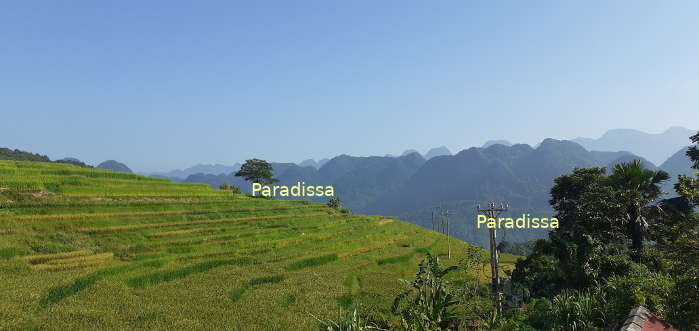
x=619, y=245
x=257, y=171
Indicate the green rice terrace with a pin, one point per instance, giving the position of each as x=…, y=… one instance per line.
x=84, y=248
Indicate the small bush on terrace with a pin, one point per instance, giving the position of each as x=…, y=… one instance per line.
x=334, y=203
x=229, y=187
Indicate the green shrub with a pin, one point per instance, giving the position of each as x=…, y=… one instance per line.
x=538, y=311
x=229, y=187
x=358, y=320
x=430, y=302
x=569, y=310
x=640, y=287
x=334, y=203
x=684, y=301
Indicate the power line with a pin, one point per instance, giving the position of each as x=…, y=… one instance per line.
x=492, y=211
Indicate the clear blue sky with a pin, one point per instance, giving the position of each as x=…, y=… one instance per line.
x=167, y=84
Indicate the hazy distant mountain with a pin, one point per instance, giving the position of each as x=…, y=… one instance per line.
x=289, y=175
x=437, y=151
x=359, y=181
x=213, y=169
x=313, y=163
x=309, y=163
x=495, y=142
x=409, y=151
x=216, y=180
x=656, y=147
x=608, y=157
x=114, y=166
x=321, y=162
x=679, y=164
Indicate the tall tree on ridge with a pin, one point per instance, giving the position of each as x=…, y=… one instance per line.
x=257, y=171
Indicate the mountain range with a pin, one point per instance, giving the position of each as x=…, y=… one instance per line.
x=437, y=151
x=656, y=147
x=410, y=186
x=495, y=142
x=518, y=174
x=197, y=169
x=313, y=163
x=218, y=169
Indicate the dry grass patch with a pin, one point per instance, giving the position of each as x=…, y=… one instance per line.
x=74, y=263
x=78, y=259
x=36, y=259
x=384, y=221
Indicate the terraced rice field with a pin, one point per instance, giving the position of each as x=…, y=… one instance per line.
x=93, y=249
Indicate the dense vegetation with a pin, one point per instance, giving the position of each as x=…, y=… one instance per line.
x=620, y=245
x=18, y=155
x=74, y=161
x=85, y=248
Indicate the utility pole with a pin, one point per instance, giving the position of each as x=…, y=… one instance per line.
x=441, y=223
x=434, y=210
x=492, y=211
x=447, y=215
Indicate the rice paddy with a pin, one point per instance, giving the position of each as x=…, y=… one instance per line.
x=94, y=249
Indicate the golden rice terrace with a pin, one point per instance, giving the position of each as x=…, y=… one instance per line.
x=94, y=249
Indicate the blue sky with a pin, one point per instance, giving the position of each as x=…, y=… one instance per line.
x=167, y=84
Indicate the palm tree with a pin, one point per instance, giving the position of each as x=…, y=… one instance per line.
x=642, y=187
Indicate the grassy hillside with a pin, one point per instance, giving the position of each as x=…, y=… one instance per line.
x=88, y=248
